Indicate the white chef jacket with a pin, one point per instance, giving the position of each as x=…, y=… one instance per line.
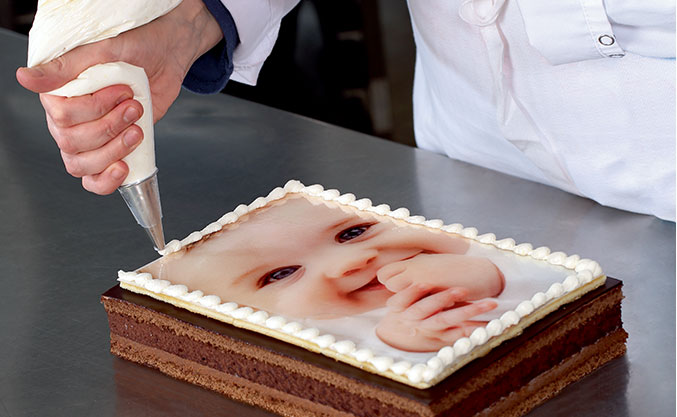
x=577, y=94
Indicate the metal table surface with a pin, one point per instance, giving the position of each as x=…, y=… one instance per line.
x=61, y=247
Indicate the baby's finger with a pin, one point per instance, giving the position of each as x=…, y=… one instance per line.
x=96, y=161
x=406, y=297
x=387, y=274
x=456, y=316
x=420, y=304
x=92, y=135
x=70, y=111
x=107, y=181
x=464, y=329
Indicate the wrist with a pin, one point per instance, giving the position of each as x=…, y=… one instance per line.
x=204, y=31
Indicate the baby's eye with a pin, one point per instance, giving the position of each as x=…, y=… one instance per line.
x=277, y=274
x=352, y=232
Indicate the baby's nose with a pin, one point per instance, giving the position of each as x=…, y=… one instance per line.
x=350, y=262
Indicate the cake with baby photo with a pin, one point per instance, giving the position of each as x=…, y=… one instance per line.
x=311, y=302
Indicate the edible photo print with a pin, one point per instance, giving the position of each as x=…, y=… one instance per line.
x=399, y=289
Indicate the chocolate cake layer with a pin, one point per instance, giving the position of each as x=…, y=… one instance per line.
x=236, y=361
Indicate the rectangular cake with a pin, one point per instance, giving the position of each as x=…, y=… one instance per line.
x=311, y=302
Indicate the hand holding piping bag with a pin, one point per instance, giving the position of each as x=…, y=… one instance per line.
x=95, y=130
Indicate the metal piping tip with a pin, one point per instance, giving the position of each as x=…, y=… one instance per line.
x=156, y=235
x=143, y=200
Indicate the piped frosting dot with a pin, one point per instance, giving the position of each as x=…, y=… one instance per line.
x=570, y=283
x=554, y=291
x=487, y=238
x=143, y=278
x=506, y=244
x=541, y=253
x=211, y=228
x=241, y=210
x=171, y=247
x=400, y=213
x=462, y=346
x=276, y=194
x=191, y=238
x=193, y=296
x=571, y=261
x=416, y=220
x=258, y=317
x=523, y=249
x=584, y=277
x=226, y=307
x=346, y=198
x=434, y=223
x=469, y=232
x=258, y=203
x=415, y=373
x=429, y=374
x=453, y=228
x=361, y=204
x=157, y=285
x=324, y=341
x=126, y=276
x=176, y=290
x=494, y=327
x=557, y=258
x=435, y=363
x=381, y=363
x=539, y=299
x=292, y=327
x=242, y=313
x=293, y=186
x=447, y=355
x=382, y=209
x=209, y=301
x=363, y=355
x=228, y=218
x=399, y=368
x=307, y=334
x=276, y=322
x=330, y=195
x=315, y=189
x=509, y=318
x=479, y=336
x=524, y=308
x=344, y=347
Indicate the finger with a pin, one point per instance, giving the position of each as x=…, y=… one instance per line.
x=57, y=72
x=387, y=272
x=70, y=111
x=108, y=181
x=93, y=135
x=455, y=316
x=427, y=305
x=96, y=161
x=464, y=329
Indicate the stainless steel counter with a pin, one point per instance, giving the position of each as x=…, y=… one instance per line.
x=61, y=247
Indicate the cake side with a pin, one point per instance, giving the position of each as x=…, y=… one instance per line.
x=583, y=275
x=528, y=369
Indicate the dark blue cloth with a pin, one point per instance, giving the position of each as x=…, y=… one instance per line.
x=210, y=73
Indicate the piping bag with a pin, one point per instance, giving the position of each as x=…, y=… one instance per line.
x=61, y=25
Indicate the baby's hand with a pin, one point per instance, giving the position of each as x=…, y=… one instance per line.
x=437, y=272
x=418, y=321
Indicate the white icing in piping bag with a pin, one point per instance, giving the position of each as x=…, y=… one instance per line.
x=60, y=26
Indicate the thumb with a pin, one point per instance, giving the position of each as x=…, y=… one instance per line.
x=57, y=72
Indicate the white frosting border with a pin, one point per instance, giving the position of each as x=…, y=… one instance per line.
x=586, y=275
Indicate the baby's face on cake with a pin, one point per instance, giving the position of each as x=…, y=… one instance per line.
x=302, y=259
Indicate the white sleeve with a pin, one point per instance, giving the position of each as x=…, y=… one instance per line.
x=258, y=23
x=566, y=31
